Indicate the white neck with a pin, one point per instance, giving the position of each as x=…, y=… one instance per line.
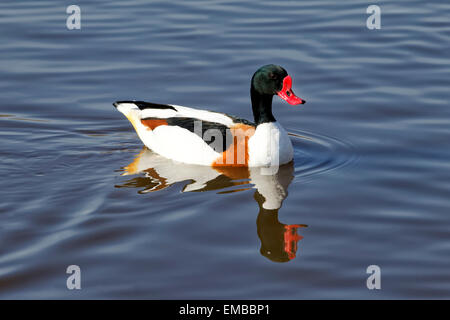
x=269, y=146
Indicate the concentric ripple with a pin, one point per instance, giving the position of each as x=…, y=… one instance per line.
x=316, y=154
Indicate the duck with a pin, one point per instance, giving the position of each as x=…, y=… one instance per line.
x=216, y=139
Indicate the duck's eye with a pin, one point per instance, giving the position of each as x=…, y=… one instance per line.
x=272, y=76
x=288, y=93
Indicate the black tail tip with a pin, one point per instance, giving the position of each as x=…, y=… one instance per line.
x=116, y=104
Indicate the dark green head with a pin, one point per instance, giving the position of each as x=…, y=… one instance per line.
x=268, y=81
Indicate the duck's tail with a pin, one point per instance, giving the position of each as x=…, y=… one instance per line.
x=130, y=110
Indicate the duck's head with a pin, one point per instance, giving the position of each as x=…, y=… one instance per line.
x=274, y=80
x=268, y=81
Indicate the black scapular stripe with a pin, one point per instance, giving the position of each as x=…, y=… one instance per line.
x=240, y=120
x=147, y=105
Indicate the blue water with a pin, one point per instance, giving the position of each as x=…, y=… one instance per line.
x=370, y=183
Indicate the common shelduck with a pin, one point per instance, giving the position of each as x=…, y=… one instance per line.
x=217, y=139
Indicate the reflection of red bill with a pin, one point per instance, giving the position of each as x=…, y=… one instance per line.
x=290, y=240
x=287, y=94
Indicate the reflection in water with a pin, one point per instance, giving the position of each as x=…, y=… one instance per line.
x=278, y=240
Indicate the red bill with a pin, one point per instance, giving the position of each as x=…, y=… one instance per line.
x=287, y=94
